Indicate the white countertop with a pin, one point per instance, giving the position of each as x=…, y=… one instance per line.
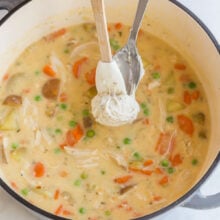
x=209, y=12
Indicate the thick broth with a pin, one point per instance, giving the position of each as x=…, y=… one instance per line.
x=58, y=158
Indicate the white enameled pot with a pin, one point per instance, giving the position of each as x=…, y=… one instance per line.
x=29, y=20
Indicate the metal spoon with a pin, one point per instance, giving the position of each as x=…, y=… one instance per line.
x=128, y=58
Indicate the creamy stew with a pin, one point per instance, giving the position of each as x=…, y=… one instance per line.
x=58, y=158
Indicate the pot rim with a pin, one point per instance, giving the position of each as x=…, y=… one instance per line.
x=37, y=210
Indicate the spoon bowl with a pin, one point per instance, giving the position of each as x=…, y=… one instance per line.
x=128, y=58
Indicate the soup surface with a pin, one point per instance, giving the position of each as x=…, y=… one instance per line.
x=58, y=158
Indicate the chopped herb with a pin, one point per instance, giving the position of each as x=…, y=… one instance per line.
x=156, y=75
x=114, y=44
x=192, y=85
x=85, y=112
x=90, y=133
x=170, y=90
x=164, y=163
x=118, y=147
x=120, y=33
x=170, y=170
x=195, y=162
x=137, y=156
x=63, y=106
x=203, y=135
x=143, y=105
x=57, y=150
x=14, y=146
x=107, y=213
x=25, y=192
x=103, y=172
x=199, y=118
x=59, y=118
x=37, y=72
x=170, y=119
x=82, y=211
x=127, y=141
x=72, y=124
x=37, y=98
x=66, y=51
x=84, y=176
x=145, y=109
x=77, y=183
x=58, y=131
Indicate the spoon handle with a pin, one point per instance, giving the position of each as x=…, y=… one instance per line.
x=102, y=31
x=142, y=4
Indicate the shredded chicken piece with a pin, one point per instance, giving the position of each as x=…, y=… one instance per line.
x=119, y=159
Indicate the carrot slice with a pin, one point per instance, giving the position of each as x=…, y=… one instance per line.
x=118, y=26
x=122, y=179
x=179, y=66
x=141, y=171
x=185, y=124
x=77, y=66
x=158, y=170
x=56, y=34
x=157, y=198
x=164, y=180
x=176, y=160
x=48, y=70
x=90, y=76
x=39, y=170
x=74, y=135
x=63, y=97
x=187, y=98
x=56, y=194
x=6, y=76
x=148, y=163
x=58, y=210
x=14, y=185
x=66, y=212
x=195, y=95
x=165, y=143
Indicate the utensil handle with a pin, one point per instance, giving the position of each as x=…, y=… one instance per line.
x=142, y=4
x=10, y=4
x=102, y=31
x=200, y=201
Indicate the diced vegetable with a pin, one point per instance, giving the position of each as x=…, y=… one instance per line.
x=148, y=163
x=199, y=118
x=72, y=124
x=90, y=76
x=141, y=171
x=84, y=176
x=170, y=170
x=56, y=194
x=114, y=44
x=122, y=179
x=91, y=92
x=192, y=85
x=48, y=70
x=82, y=210
x=164, y=163
x=25, y=191
x=58, y=210
x=9, y=122
x=87, y=122
x=39, y=170
x=90, y=133
x=85, y=112
x=176, y=160
x=170, y=119
x=56, y=34
x=170, y=90
x=166, y=143
x=37, y=98
x=185, y=124
x=63, y=106
x=194, y=162
x=74, y=135
x=137, y=156
x=180, y=66
x=195, y=95
x=145, y=109
x=78, y=182
x=155, y=75
x=173, y=106
x=127, y=141
x=13, y=100
x=202, y=134
x=51, y=88
x=118, y=26
x=164, y=180
x=107, y=213
x=125, y=189
x=77, y=66
x=187, y=98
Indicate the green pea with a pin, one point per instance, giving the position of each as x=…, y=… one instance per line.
x=103, y=172
x=170, y=170
x=84, y=176
x=77, y=183
x=164, y=163
x=82, y=210
x=90, y=133
x=72, y=124
x=57, y=150
x=192, y=85
x=58, y=131
x=14, y=146
x=195, y=162
x=37, y=72
x=137, y=156
x=156, y=75
x=114, y=44
x=66, y=51
x=63, y=106
x=170, y=119
x=170, y=90
x=85, y=112
x=25, y=191
x=107, y=213
x=37, y=98
x=127, y=141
